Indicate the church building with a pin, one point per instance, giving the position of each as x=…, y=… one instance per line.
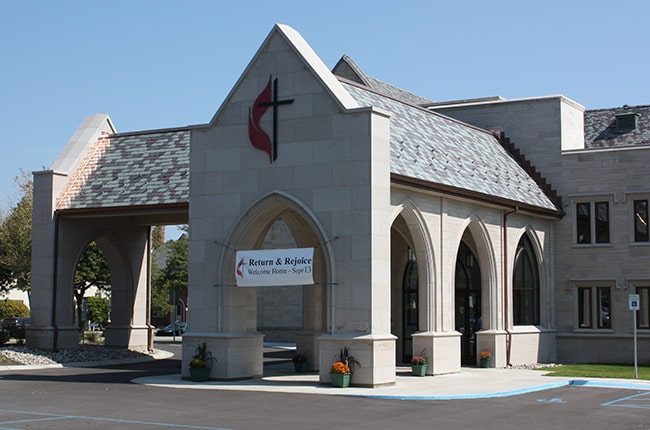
x=441, y=228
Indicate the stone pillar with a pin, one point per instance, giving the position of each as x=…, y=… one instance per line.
x=47, y=186
x=128, y=327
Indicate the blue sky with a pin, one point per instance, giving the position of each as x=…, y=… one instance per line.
x=152, y=64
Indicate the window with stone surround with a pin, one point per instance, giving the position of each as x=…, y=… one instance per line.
x=640, y=208
x=594, y=307
x=592, y=222
x=525, y=286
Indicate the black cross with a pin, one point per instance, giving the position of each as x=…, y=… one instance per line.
x=275, y=103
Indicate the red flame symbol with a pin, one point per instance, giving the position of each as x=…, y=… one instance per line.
x=258, y=138
x=238, y=269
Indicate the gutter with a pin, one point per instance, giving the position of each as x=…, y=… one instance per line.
x=396, y=178
x=504, y=276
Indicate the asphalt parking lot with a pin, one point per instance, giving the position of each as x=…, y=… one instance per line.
x=104, y=398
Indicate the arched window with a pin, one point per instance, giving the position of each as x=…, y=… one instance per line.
x=526, y=284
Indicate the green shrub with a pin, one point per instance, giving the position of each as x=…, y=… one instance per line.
x=13, y=308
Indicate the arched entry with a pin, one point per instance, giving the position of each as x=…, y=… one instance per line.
x=467, y=302
x=412, y=300
x=237, y=309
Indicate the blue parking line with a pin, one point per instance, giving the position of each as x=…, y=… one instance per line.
x=112, y=420
x=623, y=399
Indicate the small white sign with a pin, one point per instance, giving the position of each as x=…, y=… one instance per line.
x=274, y=267
x=633, y=302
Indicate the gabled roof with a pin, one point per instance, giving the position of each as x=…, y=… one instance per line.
x=132, y=170
x=434, y=148
x=601, y=132
x=347, y=68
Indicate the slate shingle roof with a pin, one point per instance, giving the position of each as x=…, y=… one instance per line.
x=600, y=128
x=431, y=147
x=132, y=170
x=347, y=68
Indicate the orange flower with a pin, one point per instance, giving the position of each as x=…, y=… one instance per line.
x=340, y=367
x=485, y=354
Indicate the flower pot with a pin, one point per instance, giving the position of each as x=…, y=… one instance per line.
x=485, y=362
x=419, y=369
x=199, y=374
x=300, y=366
x=341, y=380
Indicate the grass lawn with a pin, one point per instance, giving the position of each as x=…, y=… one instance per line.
x=620, y=371
x=4, y=361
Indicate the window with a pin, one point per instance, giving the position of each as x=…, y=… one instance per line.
x=641, y=221
x=525, y=285
x=643, y=314
x=594, y=307
x=592, y=222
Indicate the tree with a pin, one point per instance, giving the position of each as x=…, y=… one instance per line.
x=171, y=278
x=98, y=309
x=92, y=271
x=16, y=240
x=157, y=236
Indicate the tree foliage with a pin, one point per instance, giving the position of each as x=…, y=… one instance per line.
x=13, y=308
x=173, y=277
x=92, y=271
x=157, y=236
x=98, y=309
x=16, y=240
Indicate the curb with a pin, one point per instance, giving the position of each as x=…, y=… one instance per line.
x=157, y=355
x=579, y=383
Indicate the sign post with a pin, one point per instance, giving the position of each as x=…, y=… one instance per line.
x=633, y=302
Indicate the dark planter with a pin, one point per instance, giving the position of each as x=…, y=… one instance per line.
x=485, y=362
x=341, y=380
x=419, y=369
x=200, y=374
x=300, y=366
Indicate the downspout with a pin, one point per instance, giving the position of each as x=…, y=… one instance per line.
x=55, y=258
x=148, y=315
x=505, y=283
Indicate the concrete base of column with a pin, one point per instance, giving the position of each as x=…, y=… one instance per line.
x=441, y=349
x=130, y=337
x=39, y=337
x=495, y=342
x=307, y=342
x=374, y=352
x=237, y=355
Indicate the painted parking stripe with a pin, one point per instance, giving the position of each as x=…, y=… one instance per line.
x=29, y=420
x=631, y=401
x=111, y=420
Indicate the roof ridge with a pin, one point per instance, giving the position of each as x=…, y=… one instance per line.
x=618, y=107
x=438, y=114
x=152, y=131
x=95, y=153
x=345, y=58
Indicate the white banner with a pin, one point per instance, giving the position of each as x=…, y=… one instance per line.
x=274, y=267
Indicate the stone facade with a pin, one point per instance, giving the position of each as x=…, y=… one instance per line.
x=549, y=131
x=373, y=190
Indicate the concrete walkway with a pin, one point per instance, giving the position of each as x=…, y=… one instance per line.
x=470, y=383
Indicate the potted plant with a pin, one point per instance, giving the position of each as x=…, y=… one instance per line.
x=201, y=364
x=341, y=370
x=419, y=365
x=300, y=361
x=485, y=358
x=340, y=374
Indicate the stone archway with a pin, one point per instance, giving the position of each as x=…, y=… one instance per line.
x=415, y=323
x=486, y=331
x=236, y=315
